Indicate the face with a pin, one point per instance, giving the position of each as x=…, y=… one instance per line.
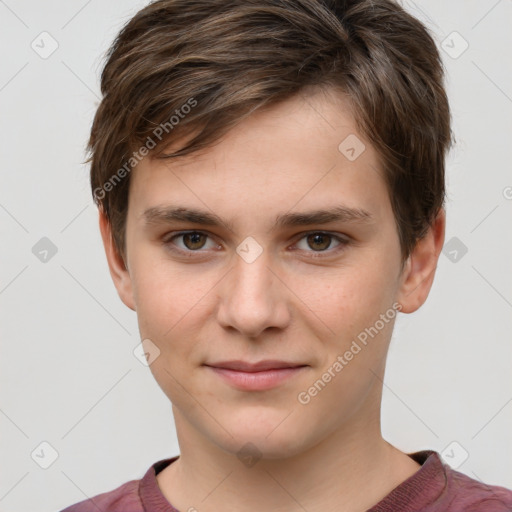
x=276, y=246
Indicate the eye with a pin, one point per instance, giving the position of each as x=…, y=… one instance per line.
x=190, y=241
x=319, y=242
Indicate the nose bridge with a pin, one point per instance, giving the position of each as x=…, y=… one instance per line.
x=252, y=279
x=251, y=299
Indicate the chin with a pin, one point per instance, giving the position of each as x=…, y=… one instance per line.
x=268, y=436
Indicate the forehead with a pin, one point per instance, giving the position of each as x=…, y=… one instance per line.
x=298, y=152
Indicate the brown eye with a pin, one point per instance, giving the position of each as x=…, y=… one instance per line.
x=194, y=240
x=188, y=242
x=320, y=244
x=319, y=241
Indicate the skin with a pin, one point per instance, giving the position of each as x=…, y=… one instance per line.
x=300, y=301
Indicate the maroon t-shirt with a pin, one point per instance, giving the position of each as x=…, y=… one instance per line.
x=435, y=487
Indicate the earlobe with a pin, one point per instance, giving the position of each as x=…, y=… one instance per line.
x=419, y=270
x=117, y=267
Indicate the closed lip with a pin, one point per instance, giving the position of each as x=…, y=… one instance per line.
x=261, y=366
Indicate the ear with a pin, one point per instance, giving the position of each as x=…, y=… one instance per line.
x=419, y=270
x=118, y=270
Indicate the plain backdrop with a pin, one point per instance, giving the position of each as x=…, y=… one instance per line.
x=68, y=375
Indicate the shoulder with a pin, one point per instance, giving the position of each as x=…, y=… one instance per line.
x=132, y=496
x=470, y=495
x=436, y=487
x=124, y=498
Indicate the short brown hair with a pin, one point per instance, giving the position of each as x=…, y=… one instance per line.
x=223, y=59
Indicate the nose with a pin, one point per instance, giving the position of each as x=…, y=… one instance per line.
x=253, y=298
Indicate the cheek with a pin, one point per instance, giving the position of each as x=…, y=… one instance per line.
x=170, y=306
x=348, y=299
x=351, y=306
x=165, y=292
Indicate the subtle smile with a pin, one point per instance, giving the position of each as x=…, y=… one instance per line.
x=256, y=376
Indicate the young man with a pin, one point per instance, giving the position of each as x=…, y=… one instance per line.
x=270, y=178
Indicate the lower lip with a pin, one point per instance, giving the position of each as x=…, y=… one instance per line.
x=257, y=381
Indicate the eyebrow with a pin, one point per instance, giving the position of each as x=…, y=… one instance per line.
x=169, y=214
x=324, y=216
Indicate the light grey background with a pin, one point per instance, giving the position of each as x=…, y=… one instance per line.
x=68, y=376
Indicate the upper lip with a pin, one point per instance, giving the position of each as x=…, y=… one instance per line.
x=243, y=366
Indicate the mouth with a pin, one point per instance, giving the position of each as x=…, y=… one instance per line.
x=256, y=376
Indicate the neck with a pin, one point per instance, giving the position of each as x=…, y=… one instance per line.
x=350, y=470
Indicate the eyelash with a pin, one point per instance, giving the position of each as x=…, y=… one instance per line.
x=342, y=243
